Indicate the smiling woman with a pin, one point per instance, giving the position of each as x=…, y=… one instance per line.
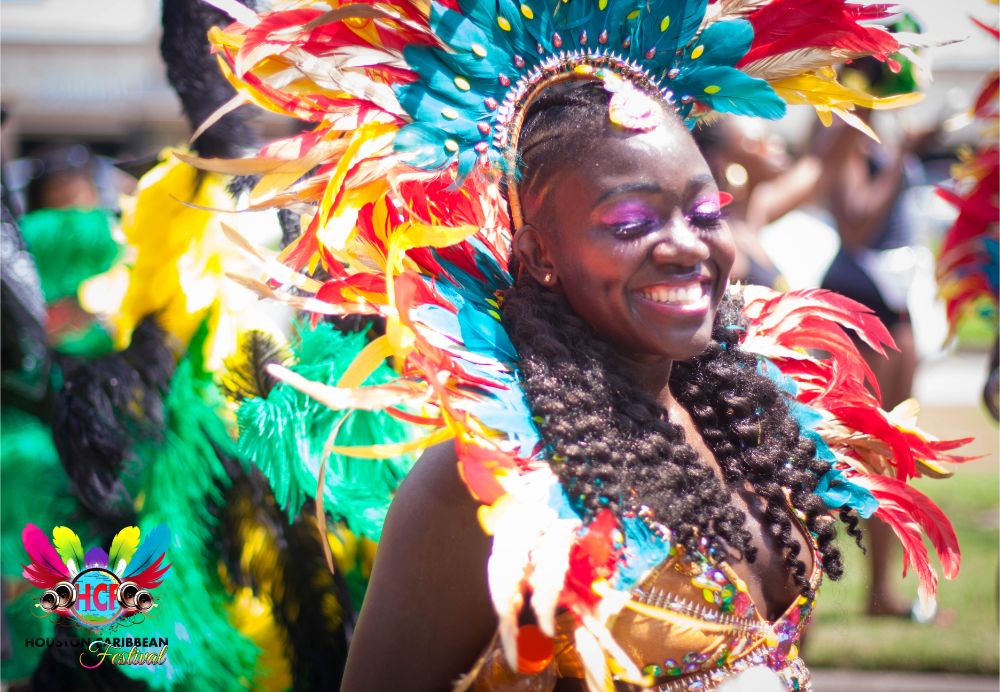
x=631, y=491
x=620, y=267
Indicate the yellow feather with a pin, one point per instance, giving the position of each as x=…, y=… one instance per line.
x=68, y=545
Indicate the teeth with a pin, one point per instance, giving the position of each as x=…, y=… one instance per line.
x=681, y=295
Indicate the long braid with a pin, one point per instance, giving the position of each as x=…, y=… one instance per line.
x=745, y=421
x=609, y=437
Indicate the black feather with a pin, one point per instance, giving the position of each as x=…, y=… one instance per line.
x=193, y=73
x=102, y=408
x=246, y=375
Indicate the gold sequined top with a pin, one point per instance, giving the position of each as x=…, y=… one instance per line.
x=690, y=624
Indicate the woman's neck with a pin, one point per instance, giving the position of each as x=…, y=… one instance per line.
x=652, y=376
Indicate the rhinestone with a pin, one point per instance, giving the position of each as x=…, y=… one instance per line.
x=462, y=83
x=518, y=62
x=504, y=80
x=603, y=37
x=556, y=41
x=451, y=145
x=583, y=37
x=651, y=53
x=674, y=71
x=478, y=50
x=490, y=103
x=484, y=128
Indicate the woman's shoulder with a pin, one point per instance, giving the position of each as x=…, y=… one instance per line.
x=427, y=608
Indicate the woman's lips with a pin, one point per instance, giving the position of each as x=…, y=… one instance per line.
x=688, y=299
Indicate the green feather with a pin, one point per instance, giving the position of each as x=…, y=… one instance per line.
x=182, y=483
x=123, y=547
x=284, y=436
x=69, y=246
x=68, y=545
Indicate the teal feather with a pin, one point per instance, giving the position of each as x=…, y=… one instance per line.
x=422, y=146
x=685, y=18
x=726, y=42
x=154, y=545
x=284, y=436
x=737, y=92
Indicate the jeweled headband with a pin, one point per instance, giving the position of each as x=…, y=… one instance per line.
x=636, y=103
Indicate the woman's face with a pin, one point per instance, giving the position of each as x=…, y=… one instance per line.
x=632, y=233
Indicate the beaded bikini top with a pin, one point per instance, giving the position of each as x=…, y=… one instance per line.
x=689, y=624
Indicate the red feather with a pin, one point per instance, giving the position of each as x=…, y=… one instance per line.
x=46, y=568
x=152, y=576
x=911, y=513
x=783, y=26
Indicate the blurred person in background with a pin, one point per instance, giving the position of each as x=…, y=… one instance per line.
x=72, y=238
x=867, y=182
x=765, y=182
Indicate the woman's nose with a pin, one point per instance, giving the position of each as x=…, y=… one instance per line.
x=680, y=243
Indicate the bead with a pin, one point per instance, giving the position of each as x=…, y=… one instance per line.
x=539, y=48
x=713, y=89
x=478, y=50
x=481, y=147
x=451, y=145
x=490, y=103
x=504, y=80
x=527, y=12
x=583, y=37
x=449, y=113
x=652, y=669
x=626, y=43
x=602, y=5
x=462, y=83
x=603, y=37
x=664, y=23
x=518, y=62
x=557, y=41
x=696, y=53
x=503, y=23
x=674, y=71
x=686, y=99
x=651, y=53
x=634, y=14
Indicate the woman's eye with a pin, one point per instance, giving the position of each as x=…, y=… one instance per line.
x=632, y=229
x=706, y=216
x=707, y=221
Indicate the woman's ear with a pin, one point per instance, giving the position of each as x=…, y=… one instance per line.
x=531, y=249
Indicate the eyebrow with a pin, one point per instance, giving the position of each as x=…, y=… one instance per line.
x=693, y=185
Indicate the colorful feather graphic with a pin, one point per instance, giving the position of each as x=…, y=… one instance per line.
x=46, y=569
x=123, y=547
x=150, y=553
x=68, y=545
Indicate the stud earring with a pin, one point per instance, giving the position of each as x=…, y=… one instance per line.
x=548, y=278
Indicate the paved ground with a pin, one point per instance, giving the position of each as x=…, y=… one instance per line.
x=865, y=681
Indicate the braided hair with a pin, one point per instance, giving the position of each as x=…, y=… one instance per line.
x=613, y=445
